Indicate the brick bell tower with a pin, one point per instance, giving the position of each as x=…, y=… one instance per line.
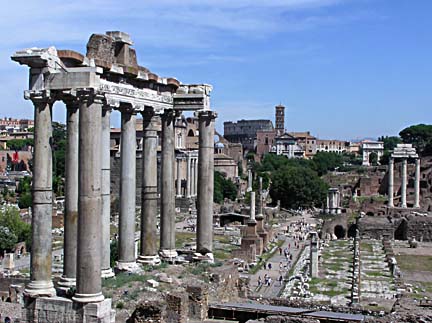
x=280, y=119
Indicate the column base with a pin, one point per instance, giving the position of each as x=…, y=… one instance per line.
x=127, y=266
x=65, y=283
x=168, y=254
x=107, y=273
x=88, y=298
x=40, y=288
x=208, y=257
x=149, y=260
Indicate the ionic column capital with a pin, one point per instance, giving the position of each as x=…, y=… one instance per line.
x=90, y=96
x=39, y=97
x=206, y=114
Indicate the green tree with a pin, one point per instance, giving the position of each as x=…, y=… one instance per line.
x=25, y=200
x=373, y=159
x=10, y=218
x=7, y=239
x=298, y=187
x=223, y=188
x=390, y=142
x=19, y=144
x=327, y=161
x=420, y=136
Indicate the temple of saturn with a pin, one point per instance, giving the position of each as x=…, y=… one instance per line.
x=91, y=86
x=404, y=152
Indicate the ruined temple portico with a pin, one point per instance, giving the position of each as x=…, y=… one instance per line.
x=405, y=153
x=109, y=78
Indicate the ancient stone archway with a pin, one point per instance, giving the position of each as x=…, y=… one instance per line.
x=401, y=232
x=340, y=232
x=352, y=231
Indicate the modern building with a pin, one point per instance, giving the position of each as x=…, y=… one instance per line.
x=332, y=146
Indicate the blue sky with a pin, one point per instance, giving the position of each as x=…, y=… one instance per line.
x=344, y=69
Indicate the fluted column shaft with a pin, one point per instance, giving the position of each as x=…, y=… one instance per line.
x=167, y=231
x=417, y=184
x=106, y=192
x=260, y=195
x=127, y=190
x=89, y=284
x=41, y=255
x=205, y=182
x=193, y=175
x=391, y=183
x=404, y=183
x=71, y=196
x=148, y=252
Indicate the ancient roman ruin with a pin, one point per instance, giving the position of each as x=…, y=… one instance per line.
x=109, y=78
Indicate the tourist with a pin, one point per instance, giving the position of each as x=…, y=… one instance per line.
x=280, y=280
x=269, y=266
x=259, y=281
x=269, y=281
x=280, y=251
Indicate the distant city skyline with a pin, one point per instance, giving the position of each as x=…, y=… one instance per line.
x=344, y=69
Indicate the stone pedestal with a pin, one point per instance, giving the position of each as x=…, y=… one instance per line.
x=89, y=284
x=314, y=255
x=205, y=183
x=167, y=225
x=41, y=255
x=261, y=231
x=148, y=252
x=56, y=309
x=128, y=147
x=68, y=279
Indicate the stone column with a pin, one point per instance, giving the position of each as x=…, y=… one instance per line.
x=252, y=206
x=149, y=195
x=314, y=255
x=188, y=176
x=391, y=183
x=205, y=183
x=417, y=184
x=196, y=176
x=167, y=206
x=40, y=275
x=179, y=181
x=404, y=183
x=106, y=272
x=126, y=246
x=192, y=172
x=70, y=242
x=89, y=283
x=249, y=188
x=260, y=196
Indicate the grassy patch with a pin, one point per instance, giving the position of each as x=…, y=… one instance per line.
x=414, y=263
x=183, y=237
x=123, y=279
x=364, y=246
